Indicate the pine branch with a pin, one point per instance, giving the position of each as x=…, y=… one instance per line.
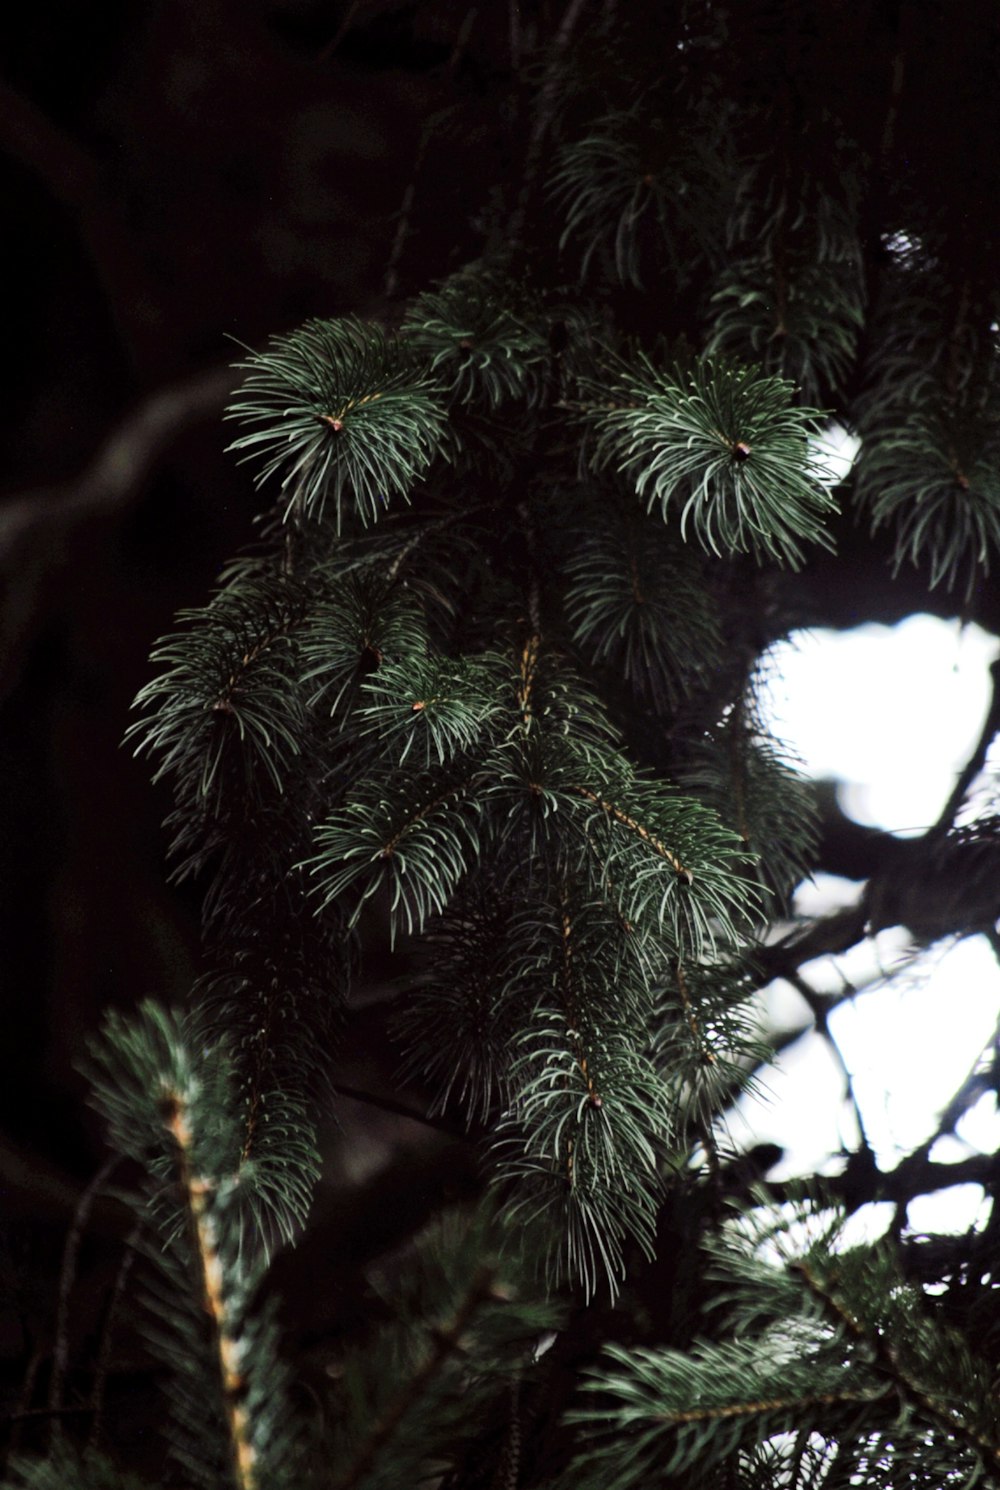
x=892, y=1363
x=172, y=1111
x=226, y=1334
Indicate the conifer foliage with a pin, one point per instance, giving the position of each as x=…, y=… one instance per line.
x=485, y=690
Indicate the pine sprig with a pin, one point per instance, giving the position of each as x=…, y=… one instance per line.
x=706, y=1040
x=583, y=1137
x=361, y=618
x=229, y=693
x=740, y=771
x=727, y=446
x=416, y=835
x=65, y=1466
x=458, y=1024
x=435, y=707
x=342, y=413
x=932, y=479
x=463, y=1325
x=638, y=605
x=634, y=192
x=929, y=420
x=663, y=858
x=476, y=342
x=807, y=335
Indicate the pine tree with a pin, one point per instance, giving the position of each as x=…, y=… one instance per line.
x=481, y=705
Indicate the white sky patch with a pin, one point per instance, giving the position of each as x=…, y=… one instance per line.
x=825, y=893
x=891, y=712
x=837, y=451
x=867, y=1224
x=980, y=1126
x=874, y=959
x=949, y=1212
x=909, y=1046
x=801, y=1107
x=948, y=1150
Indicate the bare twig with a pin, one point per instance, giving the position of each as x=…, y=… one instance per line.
x=331, y=46
x=67, y=1277
x=831, y=934
x=979, y=1080
x=35, y=525
x=120, y=465
x=462, y=39
x=400, y=1109
x=405, y=214
x=821, y=1007
x=104, y=1348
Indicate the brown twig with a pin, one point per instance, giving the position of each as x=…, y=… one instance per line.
x=126, y=457
x=197, y=1190
x=620, y=816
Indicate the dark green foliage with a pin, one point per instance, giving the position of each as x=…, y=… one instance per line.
x=705, y=1030
x=361, y=619
x=938, y=487
x=478, y=340
x=606, y=191
x=810, y=339
x=743, y=773
x=928, y=419
x=638, y=603
x=792, y=294
x=467, y=750
x=632, y=192
x=239, y=663
x=833, y=1368
x=65, y=1467
x=436, y=1380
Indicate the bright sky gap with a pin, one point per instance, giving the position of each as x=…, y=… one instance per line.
x=891, y=714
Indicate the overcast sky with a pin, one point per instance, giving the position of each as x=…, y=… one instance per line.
x=892, y=713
